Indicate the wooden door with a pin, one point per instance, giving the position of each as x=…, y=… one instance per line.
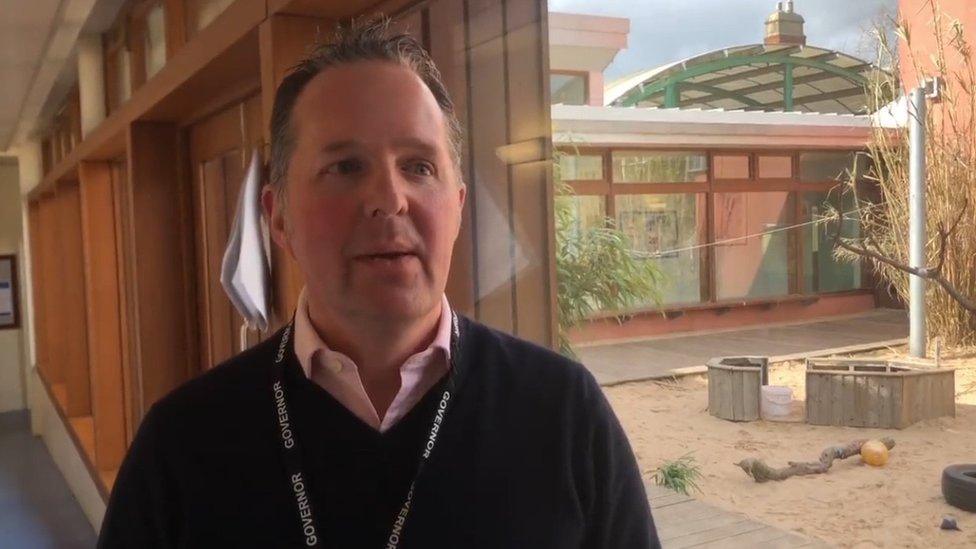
x=220, y=150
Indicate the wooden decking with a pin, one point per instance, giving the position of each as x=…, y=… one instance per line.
x=680, y=354
x=683, y=521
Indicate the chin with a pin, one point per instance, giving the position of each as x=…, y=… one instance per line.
x=393, y=303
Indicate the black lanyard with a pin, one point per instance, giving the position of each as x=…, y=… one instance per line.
x=291, y=454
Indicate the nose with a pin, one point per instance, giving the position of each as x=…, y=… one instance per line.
x=385, y=193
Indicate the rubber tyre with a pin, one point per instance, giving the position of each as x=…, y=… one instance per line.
x=959, y=486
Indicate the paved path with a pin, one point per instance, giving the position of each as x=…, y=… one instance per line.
x=684, y=522
x=669, y=355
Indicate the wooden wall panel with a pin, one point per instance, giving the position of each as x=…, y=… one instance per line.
x=72, y=303
x=219, y=149
x=529, y=128
x=490, y=191
x=284, y=40
x=161, y=308
x=50, y=262
x=103, y=312
x=448, y=47
x=131, y=392
x=175, y=26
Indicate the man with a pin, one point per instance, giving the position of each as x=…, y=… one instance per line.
x=378, y=417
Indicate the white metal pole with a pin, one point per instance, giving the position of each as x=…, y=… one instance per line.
x=916, y=222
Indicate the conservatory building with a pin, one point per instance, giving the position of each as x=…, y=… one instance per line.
x=718, y=168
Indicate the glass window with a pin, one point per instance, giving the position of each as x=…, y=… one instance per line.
x=155, y=40
x=822, y=272
x=567, y=89
x=661, y=225
x=828, y=165
x=580, y=167
x=757, y=266
x=200, y=13
x=587, y=211
x=659, y=167
x=731, y=166
x=775, y=167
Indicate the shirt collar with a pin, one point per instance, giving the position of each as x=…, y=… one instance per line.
x=308, y=343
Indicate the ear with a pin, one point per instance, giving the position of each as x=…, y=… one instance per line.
x=274, y=215
x=462, y=195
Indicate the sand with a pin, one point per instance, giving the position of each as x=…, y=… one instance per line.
x=853, y=505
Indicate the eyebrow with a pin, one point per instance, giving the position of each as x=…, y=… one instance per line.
x=337, y=146
x=415, y=143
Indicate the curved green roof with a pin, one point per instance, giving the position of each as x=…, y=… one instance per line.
x=754, y=77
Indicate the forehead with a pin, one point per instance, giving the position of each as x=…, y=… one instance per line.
x=369, y=101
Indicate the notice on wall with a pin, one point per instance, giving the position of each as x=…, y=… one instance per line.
x=8, y=293
x=6, y=303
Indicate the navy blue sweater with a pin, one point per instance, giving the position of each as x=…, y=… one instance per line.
x=529, y=455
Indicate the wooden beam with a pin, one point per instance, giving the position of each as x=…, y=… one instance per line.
x=159, y=222
x=50, y=265
x=448, y=49
x=216, y=58
x=490, y=191
x=530, y=182
x=121, y=193
x=104, y=326
x=344, y=10
x=175, y=26
x=71, y=306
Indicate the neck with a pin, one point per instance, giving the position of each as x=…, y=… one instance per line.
x=377, y=345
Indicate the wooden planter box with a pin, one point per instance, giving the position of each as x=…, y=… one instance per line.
x=734, y=385
x=880, y=394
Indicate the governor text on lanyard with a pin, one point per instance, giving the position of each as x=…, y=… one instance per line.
x=291, y=453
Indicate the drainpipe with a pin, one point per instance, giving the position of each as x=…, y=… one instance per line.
x=916, y=220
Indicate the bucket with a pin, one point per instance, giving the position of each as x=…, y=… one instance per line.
x=775, y=402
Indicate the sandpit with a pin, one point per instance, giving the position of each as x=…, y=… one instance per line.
x=854, y=505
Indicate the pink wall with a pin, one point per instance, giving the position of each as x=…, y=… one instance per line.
x=789, y=310
x=919, y=16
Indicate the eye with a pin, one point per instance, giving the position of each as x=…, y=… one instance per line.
x=348, y=166
x=421, y=168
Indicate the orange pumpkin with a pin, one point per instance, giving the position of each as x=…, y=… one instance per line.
x=874, y=452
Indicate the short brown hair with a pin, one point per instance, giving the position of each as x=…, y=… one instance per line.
x=369, y=40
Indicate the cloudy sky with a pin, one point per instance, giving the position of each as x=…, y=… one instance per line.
x=662, y=31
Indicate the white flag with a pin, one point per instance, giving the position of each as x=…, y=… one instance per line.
x=244, y=273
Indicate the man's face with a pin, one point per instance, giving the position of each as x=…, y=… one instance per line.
x=373, y=201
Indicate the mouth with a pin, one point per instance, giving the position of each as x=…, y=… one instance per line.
x=387, y=257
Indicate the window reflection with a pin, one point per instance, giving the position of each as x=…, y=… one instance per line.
x=751, y=267
x=822, y=271
x=584, y=167
x=659, y=167
x=829, y=165
x=659, y=226
x=568, y=89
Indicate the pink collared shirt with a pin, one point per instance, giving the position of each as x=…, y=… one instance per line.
x=339, y=375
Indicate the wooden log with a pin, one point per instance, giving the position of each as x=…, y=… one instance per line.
x=760, y=472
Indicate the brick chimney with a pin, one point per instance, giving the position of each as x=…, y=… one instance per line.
x=784, y=26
